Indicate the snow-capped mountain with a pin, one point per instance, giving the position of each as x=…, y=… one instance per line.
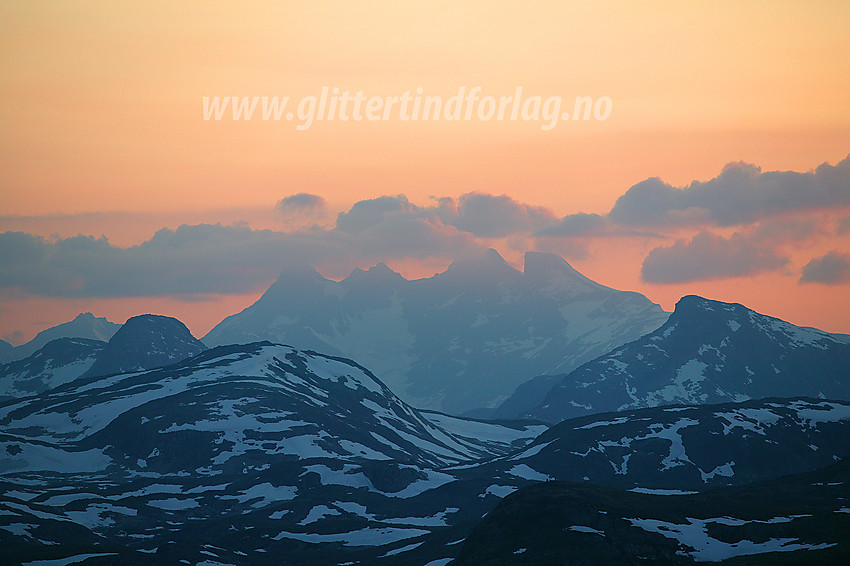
x=461, y=340
x=57, y=362
x=144, y=342
x=706, y=352
x=799, y=519
x=249, y=451
x=85, y=325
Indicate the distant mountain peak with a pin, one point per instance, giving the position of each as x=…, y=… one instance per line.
x=542, y=266
x=84, y=325
x=294, y=278
x=299, y=272
x=382, y=268
x=378, y=272
x=692, y=303
x=144, y=322
x=487, y=264
x=147, y=341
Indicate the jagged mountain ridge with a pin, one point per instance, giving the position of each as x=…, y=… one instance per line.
x=706, y=352
x=460, y=340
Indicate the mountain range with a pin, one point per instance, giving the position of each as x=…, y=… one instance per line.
x=248, y=451
x=716, y=433
x=458, y=341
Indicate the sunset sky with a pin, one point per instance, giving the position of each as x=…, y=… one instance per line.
x=721, y=170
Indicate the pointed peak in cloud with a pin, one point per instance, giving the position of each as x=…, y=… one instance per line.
x=382, y=269
x=552, y=270
x=379, y=272
x=299, y=271
x=537, y=263
x=485, y=265
x=295, y=278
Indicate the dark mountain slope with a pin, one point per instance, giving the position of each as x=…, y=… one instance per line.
x=801, y=519
x=144, y=342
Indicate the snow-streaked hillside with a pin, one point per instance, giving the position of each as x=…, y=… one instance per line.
x=300, y=446
x=56, y=363
x=688, y=447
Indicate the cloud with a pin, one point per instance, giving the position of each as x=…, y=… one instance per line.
x=409, y=236
x=843, y=226
x=489, y=216
x=584, y=225
x=301, y=205
x=212, y=259
x=189, y=260
x=830, y=269
x=478, y=214
x=567, y=248
x=369, y=213
x=203, y=259
x=708, y=256
x=576, y=225
x=741, y=194
x=208, y=259
x=777, y=231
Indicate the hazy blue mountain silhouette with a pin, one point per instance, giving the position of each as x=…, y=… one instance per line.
x=460, y=340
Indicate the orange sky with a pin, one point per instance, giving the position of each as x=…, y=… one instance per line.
x=101, y=110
